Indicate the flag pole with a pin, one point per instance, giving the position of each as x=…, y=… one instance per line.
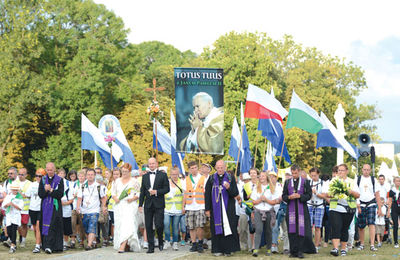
x=111, y=158
x=156, y=140
x=255, y=154
x=81, y=158
x=283, y=145
x=240, y=148
x=265, y=148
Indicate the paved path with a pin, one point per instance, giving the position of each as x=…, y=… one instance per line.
x=110, y=253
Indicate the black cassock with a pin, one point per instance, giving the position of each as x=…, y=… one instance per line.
x=221, y=243
x=300, y=244
x=54, y=239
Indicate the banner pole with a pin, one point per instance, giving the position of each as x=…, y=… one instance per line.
x=81, y=158
x=265, y=148
x=283, y=145
x=156, y=141
x=255, y=154
x=240, y=148
x=111, y=158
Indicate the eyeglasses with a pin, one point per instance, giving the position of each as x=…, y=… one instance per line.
x=21, y=174
x=38, y=176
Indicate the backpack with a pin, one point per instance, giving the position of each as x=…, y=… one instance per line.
x=372, y=180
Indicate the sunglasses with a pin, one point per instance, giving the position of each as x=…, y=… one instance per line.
x=38, y=176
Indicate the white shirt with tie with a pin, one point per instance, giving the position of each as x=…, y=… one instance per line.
x=152, y=178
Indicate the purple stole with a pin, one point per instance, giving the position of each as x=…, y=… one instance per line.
x=216, y=201
x=292, y=208
x=48, y=205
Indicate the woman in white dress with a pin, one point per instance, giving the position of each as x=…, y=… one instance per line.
x=125, y=211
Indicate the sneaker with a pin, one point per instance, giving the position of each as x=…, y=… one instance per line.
x=72, y=246
x=372, y=248
x=175, y=246
x=166, y=245
x=379, y=244
x=22, y=244
x=145, y=245
x=183, y=243
x=105, y=243
x=358, y=243
x=360, y=248
x=396, y=245
x=317, y=249
x=36, y=250
x=286, y=252
x=200, y=248
x=48, y=251
x=334, y=252
x=228, y=254
x=274, y=249
x=218, y=254
x=7, y=243
x=255, y=253
x=65, y=248
x=12, y=250
x=193, y=248
x=343, y=252
x=268, y=253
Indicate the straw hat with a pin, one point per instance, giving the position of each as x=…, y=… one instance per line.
x=246, y=176
x=14, y=186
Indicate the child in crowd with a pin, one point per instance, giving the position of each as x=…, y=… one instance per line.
x=12, y=204
x=380, y=223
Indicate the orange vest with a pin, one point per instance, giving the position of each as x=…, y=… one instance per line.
x=197, y=194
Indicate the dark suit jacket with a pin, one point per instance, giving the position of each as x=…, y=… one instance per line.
x=161, y=185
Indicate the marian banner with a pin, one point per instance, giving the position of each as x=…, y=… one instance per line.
x=199, y=103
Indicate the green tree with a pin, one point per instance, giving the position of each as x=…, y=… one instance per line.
x=321, y=81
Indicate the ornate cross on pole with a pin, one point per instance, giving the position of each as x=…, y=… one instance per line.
x=155, y=89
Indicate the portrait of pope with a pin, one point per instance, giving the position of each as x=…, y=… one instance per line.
x=207, y=127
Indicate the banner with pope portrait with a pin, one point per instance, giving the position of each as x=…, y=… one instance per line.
x=199, y=104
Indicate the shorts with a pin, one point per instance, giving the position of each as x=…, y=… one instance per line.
x=35, y=216
x=67, y=226
x=380, y=230
x=367, y=216
x=111, y=214
x=195, y=219
x=24, y=219
x=90, y=222
x=316, y=215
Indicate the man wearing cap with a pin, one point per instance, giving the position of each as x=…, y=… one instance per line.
x=51, y=190
x=245, y=208
x=12, y=176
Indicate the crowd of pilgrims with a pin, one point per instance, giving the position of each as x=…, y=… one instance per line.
x=147, y=209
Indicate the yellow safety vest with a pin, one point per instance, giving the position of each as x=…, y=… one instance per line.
x=26, y=200
x=176, y=199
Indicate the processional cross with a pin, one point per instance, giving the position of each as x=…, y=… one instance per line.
x=155, y=89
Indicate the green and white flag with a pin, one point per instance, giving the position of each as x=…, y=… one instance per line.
x=303, y=116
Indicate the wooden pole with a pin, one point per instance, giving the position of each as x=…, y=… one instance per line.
x=265, y=148
x=283, y=145
x=156, y=141
x=111, y=158
x=255, y=154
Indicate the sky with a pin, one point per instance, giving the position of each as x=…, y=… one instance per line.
x=364, y=32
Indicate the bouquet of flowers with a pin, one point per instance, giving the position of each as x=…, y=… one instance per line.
x=125, y=193
x=155, y=112
x=339, y=189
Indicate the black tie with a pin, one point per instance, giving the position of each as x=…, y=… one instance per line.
x=152, y=172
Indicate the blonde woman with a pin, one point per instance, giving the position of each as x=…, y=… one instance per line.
x=264, y=200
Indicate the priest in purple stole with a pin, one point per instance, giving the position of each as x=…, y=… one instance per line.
x=221, y=190
x=51, y=190
x=296, y=192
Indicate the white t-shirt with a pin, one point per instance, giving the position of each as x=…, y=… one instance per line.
x=277, y=194
x=255, y=195
x=321, y=187
x=35, y=202
x=68, y=195
x=381, y=220
x=194, y=205
x=14, y=215
x=366, y=189
x=240, y=209
x=91, y=202
x=382, y=189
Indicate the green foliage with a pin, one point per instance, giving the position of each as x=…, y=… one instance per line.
x=59, y=59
